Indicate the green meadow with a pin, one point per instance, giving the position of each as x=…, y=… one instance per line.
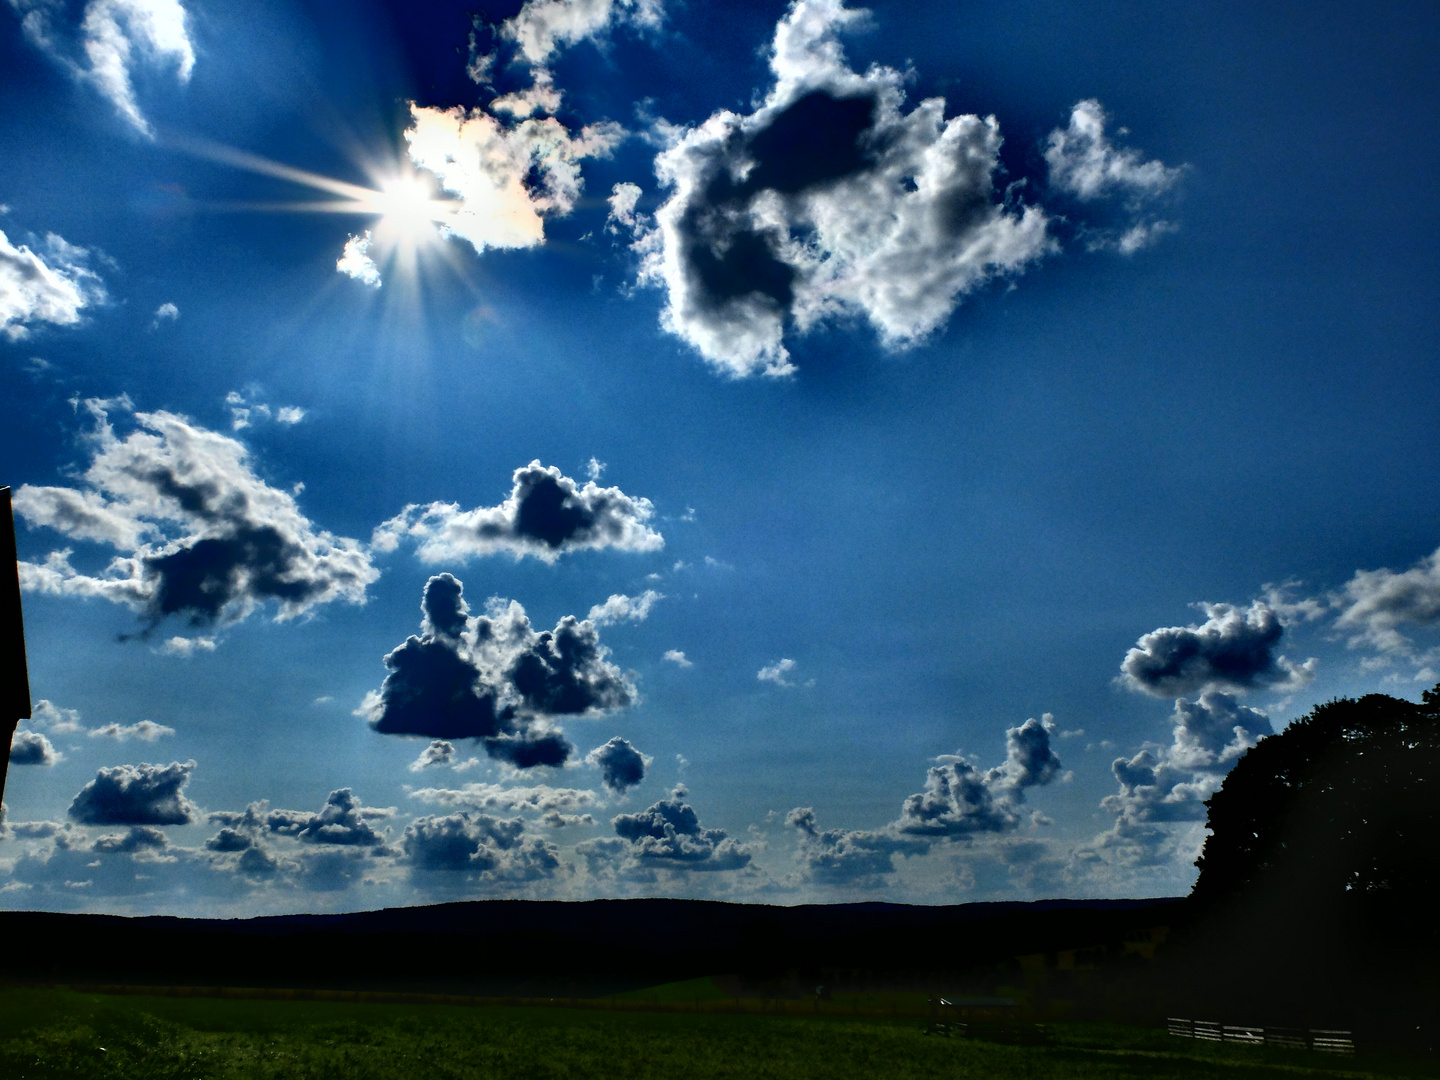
x=62, y=1033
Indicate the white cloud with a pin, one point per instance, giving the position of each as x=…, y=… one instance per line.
x=542, y=28
x=547, y=515
x=51, y=286
x=508, y=172
x=58, y=721
x=289, y=414
x=776, y=672
x=355, y=260
x=1085, y=163
x=166, y=312
x=622, y=200
x=201, y=534
x=675, y=656
x=145, y=731
x=1375, y=604
x=112, y=38
x=619, y=606
x=536, y=799
x=245, y=411
x=187, y=646
x=827, y=200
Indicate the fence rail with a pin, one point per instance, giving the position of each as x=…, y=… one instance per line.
x=1326, y=1040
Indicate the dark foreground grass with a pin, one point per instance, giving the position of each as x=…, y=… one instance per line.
x=56, y=1033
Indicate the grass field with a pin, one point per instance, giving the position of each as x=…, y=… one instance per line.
x=59, y=1033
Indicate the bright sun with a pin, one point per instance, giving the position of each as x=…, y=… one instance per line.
x=407, y=211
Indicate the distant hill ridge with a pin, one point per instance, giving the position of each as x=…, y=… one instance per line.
x=534, y=946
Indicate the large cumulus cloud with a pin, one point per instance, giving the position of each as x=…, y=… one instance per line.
x=1234, y=649
x=142, y=794
x=828, y=199
x=959, y=802
x=547, y=515
x=493, y=678
x=202, y=536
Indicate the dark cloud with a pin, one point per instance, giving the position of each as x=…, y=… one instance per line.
x=848, y=856
x=478, y=845
x=621, y=765
x=438, y=753
x=547, y=515
x=960, y=800
x=139, y=838
x=228, y=839
x=493, y=678
x=1233, y=649
x=206, y=538
x=136, y=795
x=32, y=748
x=669, y=834
x=342, y=821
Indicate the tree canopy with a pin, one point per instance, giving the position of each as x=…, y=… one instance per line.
x=1344, y=803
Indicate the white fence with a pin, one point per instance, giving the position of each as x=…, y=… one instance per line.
x=1327, y=1040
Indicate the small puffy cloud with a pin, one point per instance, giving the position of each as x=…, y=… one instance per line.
x=136, y=795
x=56, y=720
x=1375, y=604
x=492, y=677
x=478, y=847
x=201, y=535
x=355, y=261
x=112, y=39
x=538, y=799
x=246, y=411
x=622, y=201
x=145, y=731
x=547, y=515
x=51, y=286
x=439, y=752
x=776, y=672
x=32, y=748
x=668, y=835
x=1084, y=162
x=621, y=765
x=180, y=645
x=1233, y=649
x=619, y=607
x=677, y=657
x=828, y=200
x=1086, y=165
x=167, y=311
x=342, y=821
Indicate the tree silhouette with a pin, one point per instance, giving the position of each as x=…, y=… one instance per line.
x=1316, y=899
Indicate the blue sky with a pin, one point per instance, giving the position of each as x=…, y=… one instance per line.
x=892, y=453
